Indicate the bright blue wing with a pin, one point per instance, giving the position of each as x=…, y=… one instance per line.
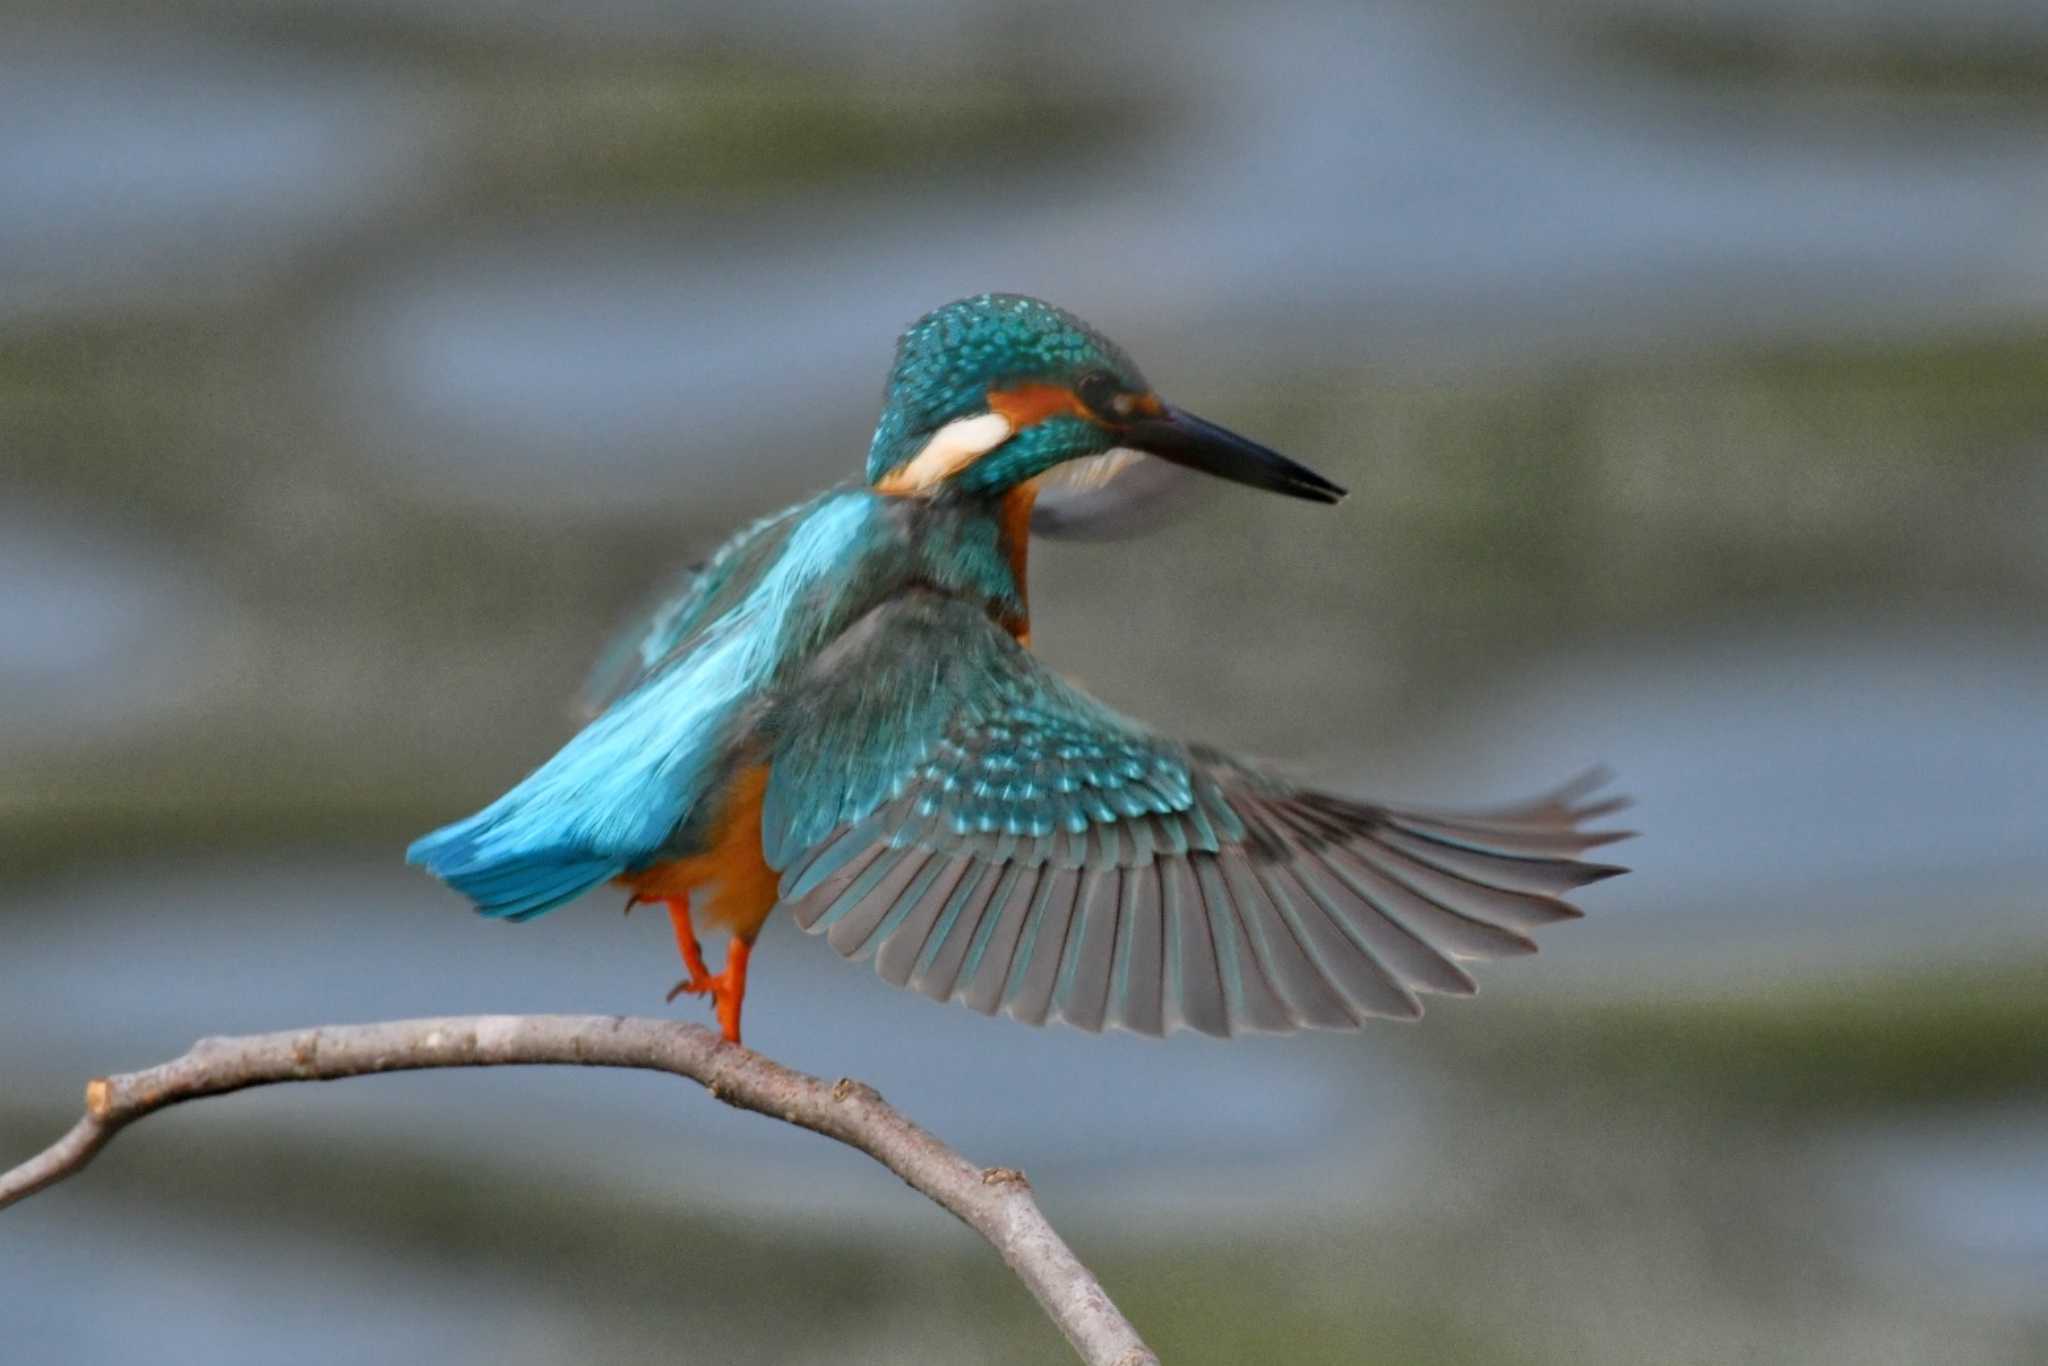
x=622, y=790
x=682, y=606
x=993, y=834
x=612, y=797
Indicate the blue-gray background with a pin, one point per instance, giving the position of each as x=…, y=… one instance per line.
x=361, y=362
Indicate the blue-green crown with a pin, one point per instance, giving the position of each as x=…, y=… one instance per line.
x=948, y=360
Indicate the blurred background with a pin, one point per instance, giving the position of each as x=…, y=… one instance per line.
x=362, y=362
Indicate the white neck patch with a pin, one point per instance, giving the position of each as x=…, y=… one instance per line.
x=952, y=448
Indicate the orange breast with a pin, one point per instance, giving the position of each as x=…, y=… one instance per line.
x=730, y=883
x=1015, y=526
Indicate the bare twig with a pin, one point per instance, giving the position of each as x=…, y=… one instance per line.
x=994, y=1201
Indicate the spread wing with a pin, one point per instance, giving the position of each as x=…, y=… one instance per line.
x=989, y=832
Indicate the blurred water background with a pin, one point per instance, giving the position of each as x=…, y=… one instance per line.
x=362, y=362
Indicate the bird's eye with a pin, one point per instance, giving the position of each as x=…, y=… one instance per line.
x=1103, y=395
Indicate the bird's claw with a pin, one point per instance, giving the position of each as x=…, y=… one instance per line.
x=693, y=986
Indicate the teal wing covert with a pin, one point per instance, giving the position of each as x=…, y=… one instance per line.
x=939, y=798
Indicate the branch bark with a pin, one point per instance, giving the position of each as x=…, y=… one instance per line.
x=993, y=1201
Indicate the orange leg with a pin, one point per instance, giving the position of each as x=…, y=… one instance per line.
x=726, y=989
x=700, y=980
x=729, y=988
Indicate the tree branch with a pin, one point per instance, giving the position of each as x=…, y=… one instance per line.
x=994, y=1201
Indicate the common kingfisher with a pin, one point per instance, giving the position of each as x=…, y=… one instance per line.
x=839, y=713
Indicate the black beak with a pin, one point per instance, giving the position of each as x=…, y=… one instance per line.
x=1187, y=440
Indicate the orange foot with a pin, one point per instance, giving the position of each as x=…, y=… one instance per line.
x=726, y=989
x=699, y=980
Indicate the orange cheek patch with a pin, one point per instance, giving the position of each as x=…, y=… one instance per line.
x=1029, y=404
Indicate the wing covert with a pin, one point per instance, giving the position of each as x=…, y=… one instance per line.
x=991, y=833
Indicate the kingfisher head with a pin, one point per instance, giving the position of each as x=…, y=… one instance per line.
x=995, y=391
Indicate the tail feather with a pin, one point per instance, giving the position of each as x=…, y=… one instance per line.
x=508, y=884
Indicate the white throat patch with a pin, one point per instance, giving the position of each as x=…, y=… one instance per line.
x=1090, y=471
